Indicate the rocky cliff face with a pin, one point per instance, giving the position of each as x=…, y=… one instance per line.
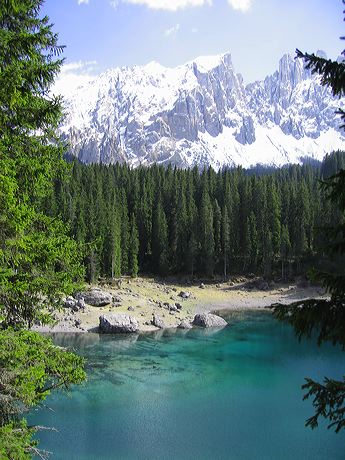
x=201, y=113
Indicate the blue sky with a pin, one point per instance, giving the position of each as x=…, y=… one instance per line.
x=99, y=34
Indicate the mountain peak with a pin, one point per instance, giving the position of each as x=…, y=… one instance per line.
x=208, y=63
x=200, y=113
x=153, y=67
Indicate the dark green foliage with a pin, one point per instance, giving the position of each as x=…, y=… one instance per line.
x=225, y=237
x=197, y=223
x=31, y=366
x=206, y=235
x=325, y=317
x=329, y=402
x=285, y=249
x=38, y=261
x=160, y=246
x=16, y=441
x=133, y=249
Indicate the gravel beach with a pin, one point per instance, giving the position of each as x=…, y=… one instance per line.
x=142, y=298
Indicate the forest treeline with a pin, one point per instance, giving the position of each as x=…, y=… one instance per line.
x=164, y=220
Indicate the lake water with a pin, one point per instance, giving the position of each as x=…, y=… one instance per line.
x=228, y=394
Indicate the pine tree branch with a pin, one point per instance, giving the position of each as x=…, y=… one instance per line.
x=329, y=402
x=323, y=317
x=331, y=72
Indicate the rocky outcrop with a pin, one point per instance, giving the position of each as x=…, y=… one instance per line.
x=184, y=324
x=184, y=294
x=201, y=113
x=113, y=323
x=209, y=320
x=74, y=304
x=157, y=322
x=96, y=297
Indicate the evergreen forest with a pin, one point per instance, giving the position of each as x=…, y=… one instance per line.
x=109, y=221
x=168, y=221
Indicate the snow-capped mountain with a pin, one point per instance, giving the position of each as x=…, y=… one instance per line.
x=202, y=113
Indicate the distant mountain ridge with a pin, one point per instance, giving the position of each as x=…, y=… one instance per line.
x=202, y=113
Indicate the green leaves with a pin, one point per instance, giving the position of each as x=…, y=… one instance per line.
x=16, y=441
x=38, y=261
x=44, y=266
x=31, y=366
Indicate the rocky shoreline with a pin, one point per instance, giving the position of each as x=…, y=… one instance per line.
x=144, y=304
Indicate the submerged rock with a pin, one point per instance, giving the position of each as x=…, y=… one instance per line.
x=209, y=320
x=96, y=297
x=118, y=322
x=184, y=324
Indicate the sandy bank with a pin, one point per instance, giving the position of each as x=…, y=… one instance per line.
x=143, y=297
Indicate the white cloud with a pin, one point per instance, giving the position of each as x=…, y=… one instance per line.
x=79, y=67
x=73, y=75
x=172, y=30
x=114, y=3
x=170, y=5
x=241, y=5
x=80, y=2
x=195, y=30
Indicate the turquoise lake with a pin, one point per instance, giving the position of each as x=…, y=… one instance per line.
x=199, y=394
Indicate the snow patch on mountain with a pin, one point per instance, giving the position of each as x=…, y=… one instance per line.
x=207, y=63
x=200, y=113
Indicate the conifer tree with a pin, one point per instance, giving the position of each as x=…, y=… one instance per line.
x=133, y=248
x=326, y=317
x=38, y=261
x=285, y=248
x=182, y=229
x=126, y=237
x=192, y=218
x=206, y=251
x=253, y=236
x=115, y=244
x=217, y=223
x=243, y=223
x=274, y=216
x=145, y=218
x=225, y=238
x=160, y=245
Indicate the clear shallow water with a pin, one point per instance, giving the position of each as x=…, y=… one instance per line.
x=230, y=394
